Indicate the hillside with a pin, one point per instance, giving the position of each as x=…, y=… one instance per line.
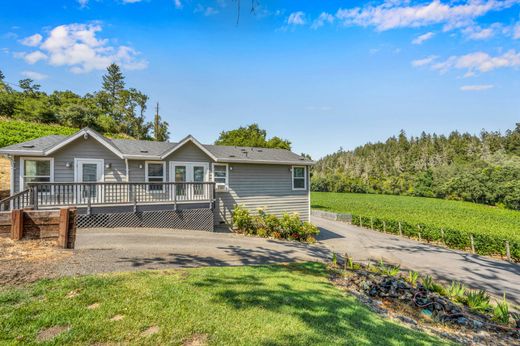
x=18, y=131
x=481, y=169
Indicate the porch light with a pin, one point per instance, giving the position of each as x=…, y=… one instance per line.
x=108, y=165
x=141, y=166
x=68, y=164
x=230, y=168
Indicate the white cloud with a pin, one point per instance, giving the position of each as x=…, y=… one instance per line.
x=424, y=62
x=476, y=87
x=32, y=41
x=83, y=3
x=78, y=47
x=131, y=1
x=34, y=75
x=296, y=18
x=178, y=4
x=479, y=61
x=516, y=31
x=400, y=14
x=423, y=38
x=33, y=57
x=475, y=32
x=322, y=20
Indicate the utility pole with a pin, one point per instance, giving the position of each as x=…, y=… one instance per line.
x=156, y=123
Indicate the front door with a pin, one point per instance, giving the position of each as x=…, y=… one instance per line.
x=189, y=172
x=89, y=171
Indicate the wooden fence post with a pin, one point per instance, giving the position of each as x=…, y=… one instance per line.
x=371, y=222
x=419, y=227
x=17, y=224
x=442, y=236
x=472, y=243
x=63, y=230
x=400, y=229
x=508, y=251
x=384, y=226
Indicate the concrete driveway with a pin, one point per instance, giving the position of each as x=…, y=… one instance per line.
x=106, y=250
x=478, y=272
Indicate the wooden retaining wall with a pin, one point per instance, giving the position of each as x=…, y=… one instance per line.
x=59, y=225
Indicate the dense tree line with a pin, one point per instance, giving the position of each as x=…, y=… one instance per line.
x=482, y=169
x=113, y=109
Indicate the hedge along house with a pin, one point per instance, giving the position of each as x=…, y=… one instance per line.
x=121, y=182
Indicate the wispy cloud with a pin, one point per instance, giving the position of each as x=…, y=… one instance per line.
x=83, y=3
x=323, y=19
x=423, y=38
x=393, y=14
x=479, y=62
x=424, y=62
x=475, y=32
x=480, y=87
x=32, y=41
x=78, y=47
x=516, y=31
x=206, y=11
x=178, y=4
x=34, y=75
x=296, y=18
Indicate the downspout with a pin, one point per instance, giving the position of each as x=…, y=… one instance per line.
x=309, y=190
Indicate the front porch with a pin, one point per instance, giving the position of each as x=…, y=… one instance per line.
x=162, y=205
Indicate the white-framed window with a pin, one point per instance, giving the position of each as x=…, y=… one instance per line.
x=299, y=178
x=36, y=170
x=221, y=173
x=155, y=171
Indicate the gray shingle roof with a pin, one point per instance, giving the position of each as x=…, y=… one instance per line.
x=145, y=149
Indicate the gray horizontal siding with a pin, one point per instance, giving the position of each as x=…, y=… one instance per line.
x=262, y=186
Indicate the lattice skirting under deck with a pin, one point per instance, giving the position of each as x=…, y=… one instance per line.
x=195, y=219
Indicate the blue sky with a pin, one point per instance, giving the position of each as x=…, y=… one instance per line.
x=322, y=74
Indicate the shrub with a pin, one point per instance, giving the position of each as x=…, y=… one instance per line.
x=478, y=301
x=456, y=291
x=501, y=312
x=412, y=278
x=267, y=225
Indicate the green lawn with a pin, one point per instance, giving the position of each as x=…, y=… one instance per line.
x=264, y=305
x=492, y=223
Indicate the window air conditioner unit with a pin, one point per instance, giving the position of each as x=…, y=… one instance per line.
x=221, y=188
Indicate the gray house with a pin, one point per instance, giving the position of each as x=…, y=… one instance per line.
x=104, y=176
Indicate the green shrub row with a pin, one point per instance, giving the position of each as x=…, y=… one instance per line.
x=484, y=244
x=289, y=226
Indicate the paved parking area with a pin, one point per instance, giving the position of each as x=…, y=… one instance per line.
x=105, y=250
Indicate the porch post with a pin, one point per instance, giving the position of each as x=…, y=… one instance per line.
x=175, y=196
x=89, y=202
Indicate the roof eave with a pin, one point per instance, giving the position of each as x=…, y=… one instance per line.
x=268, y=162
x=21, y=152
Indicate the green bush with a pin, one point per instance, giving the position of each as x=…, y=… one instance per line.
x=289, y=226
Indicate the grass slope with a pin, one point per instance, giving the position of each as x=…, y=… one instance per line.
x=265, y=305
x=476, y=219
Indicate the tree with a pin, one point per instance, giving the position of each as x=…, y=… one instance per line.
x=251, y=136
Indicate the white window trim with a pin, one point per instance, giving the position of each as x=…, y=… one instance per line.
x=77, y=160
x=304, y=178
x=227, y=172
x=189, y=170
x=164, y=176
x=22, y=169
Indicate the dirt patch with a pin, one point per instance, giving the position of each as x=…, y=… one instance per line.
x=150, y=331
x=93, y=306
x=196, y=340
x=50, y=333
x=28, y=260
x=117, y=318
